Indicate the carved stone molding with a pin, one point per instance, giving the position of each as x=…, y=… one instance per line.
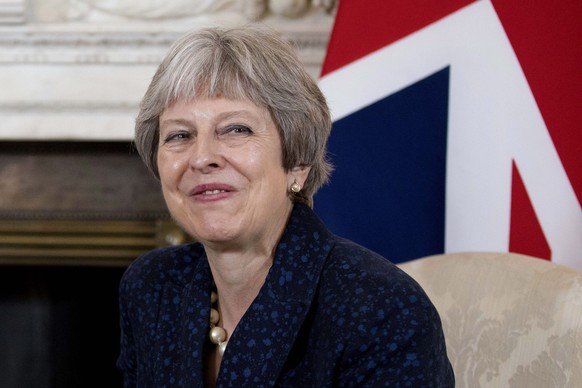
x=68, y=46
x=67, y=77
x=12, y=12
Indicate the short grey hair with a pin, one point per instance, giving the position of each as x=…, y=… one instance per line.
x=251, y=62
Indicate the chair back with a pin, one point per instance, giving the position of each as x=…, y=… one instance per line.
x=509, y=320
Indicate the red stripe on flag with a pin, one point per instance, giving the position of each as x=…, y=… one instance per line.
x=547, y=39
x=362, y=27
x=525, y=233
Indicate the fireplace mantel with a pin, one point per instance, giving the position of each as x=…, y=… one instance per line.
x=74, y=70
x=80, y=204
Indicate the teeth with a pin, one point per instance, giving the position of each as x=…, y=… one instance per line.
x=213, y=191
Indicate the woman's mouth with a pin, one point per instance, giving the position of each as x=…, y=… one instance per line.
x=211, y=192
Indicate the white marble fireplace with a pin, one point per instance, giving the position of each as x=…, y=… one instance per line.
x=76, y=69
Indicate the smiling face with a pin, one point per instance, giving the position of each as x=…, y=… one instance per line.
x=220, y=165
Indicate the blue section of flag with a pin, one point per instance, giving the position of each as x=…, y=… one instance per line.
x=388, y=189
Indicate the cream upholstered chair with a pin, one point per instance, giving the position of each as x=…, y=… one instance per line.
x=509, y=320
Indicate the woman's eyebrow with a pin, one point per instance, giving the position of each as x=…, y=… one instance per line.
x=235, y=114
x=222, y=116
x=179, y=121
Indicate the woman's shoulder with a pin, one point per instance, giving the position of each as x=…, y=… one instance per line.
x=349, y=256
x=175, y=263
x=363, y=276
x=383, y=318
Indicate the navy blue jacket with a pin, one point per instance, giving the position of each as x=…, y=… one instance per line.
x=330, y=314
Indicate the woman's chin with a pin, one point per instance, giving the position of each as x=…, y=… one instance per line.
x=208, y=235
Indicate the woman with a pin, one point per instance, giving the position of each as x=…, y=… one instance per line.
x=235, y=129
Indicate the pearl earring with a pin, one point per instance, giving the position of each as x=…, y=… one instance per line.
x=295, y=187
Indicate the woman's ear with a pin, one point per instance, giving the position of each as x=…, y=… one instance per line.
x=298, y=175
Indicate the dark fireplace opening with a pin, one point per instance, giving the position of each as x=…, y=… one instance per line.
x=59, y=326
x=73, y=215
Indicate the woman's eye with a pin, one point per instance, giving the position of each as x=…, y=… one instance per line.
x=176, y=136
x=238, y=129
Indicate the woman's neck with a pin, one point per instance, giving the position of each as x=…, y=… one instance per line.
x=238, y=279
x=239, y=269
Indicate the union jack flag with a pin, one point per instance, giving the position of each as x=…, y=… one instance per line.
x=456, y=127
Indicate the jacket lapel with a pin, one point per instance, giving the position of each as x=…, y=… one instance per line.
x=182, y=328
x=263, y=339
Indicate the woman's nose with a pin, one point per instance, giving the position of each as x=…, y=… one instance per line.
x=205, y=154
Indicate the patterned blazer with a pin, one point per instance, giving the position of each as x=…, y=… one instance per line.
x=331, y=313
